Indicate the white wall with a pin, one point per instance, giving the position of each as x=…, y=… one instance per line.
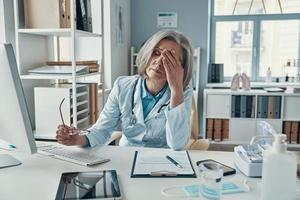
x=116, y=52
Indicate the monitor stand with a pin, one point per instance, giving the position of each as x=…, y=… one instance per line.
x=8, y=161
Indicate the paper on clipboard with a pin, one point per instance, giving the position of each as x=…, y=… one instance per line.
x=154, y=163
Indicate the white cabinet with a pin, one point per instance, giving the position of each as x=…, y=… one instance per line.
x=292, y=108
x=259, y=105
x=218, y=106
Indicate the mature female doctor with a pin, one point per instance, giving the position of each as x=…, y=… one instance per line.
x=153, y=107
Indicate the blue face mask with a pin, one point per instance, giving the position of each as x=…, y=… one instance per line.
x=227, y=188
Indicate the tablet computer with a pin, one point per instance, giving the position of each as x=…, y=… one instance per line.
x=89, y=185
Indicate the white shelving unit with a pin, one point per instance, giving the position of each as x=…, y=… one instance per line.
x=133, y=66
x=35, y=46
x=53, y=95
x=218, y=105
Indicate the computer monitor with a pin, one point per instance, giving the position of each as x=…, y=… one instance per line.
x=15, y=126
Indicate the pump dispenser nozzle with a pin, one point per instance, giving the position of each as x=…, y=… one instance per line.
x=279, y=143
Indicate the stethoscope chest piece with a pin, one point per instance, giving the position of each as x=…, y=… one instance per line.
x=133, y=119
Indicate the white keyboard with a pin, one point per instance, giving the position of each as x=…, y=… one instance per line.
x=74, y=155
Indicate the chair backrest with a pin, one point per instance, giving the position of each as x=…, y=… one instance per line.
x=195, y=143
x=194, y=121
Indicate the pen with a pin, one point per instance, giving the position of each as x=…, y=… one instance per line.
x=174, y=162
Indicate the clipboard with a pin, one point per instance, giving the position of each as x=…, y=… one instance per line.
x=176, y=173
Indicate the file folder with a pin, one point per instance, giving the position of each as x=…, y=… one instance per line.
x=243, y=106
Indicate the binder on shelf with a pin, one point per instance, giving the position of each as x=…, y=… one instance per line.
x=83, y=15
x=277, y=107
x=68, y=13
x=264, y=106
x=294, y=132
x=259, y=107
x=233, y=105
x=46, y=13
x=237, y=106
x=249, y=105
x=270, y=106
x=89, y=16
x=217, y=130
x=243, y=106
x=215, y=73
x=93, y=102
x=253, y=107
x=209, y=129
x=287, y=127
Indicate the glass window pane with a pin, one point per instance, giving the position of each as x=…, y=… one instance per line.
x=290, y=6
x=226, y=7
x=253, y=7
x=234, y=46
x=280, y=47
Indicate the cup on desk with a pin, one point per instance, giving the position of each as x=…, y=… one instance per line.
x=211, y=176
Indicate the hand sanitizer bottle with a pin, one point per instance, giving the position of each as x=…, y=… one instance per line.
x=269, y=75
x=279, y=171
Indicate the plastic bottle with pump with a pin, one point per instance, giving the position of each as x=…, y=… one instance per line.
x=279, y=171
x=269, y=75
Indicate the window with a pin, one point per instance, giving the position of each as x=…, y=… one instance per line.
x=252, y=35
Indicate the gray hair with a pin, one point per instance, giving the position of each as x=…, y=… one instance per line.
x=145, y=53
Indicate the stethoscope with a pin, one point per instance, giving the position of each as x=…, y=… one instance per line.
x=133, y=119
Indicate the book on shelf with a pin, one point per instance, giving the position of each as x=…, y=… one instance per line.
x=217, y=134
x=59, y=69
x=209, y=128
x=92, y=65
x=287, y=126
x=294, y=132
x=225, y=129
x=37, y=13
x=93, y=103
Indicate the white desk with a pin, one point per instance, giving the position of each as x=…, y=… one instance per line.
x=38, y=176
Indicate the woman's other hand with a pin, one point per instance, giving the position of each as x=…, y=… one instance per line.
x=69, y=136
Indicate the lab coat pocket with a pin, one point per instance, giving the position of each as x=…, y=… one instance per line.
x=132, y=129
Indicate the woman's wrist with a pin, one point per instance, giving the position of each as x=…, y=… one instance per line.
x=82, y=140
x=176, y=98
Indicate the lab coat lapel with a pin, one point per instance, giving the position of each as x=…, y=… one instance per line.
x=138, y=108
x=163, y=100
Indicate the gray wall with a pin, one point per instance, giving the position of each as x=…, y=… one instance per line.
x=7, y=33
x=116, y=53
x=193, y=18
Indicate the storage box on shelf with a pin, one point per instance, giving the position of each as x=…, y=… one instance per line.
x=38, y=42
x=243, y=109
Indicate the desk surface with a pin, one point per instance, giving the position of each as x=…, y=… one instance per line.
x=39, y=175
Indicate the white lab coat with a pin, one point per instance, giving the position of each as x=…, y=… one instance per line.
x=170, y=128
